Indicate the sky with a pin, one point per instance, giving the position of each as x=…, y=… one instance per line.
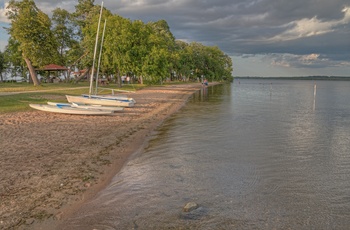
x=268, y=38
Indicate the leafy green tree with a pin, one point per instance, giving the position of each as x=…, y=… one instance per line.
x=161, y=45
x=80, y=54
x=196, y=51
x=31, y=28
x=218, y=66
x=83, y=12
x=148, y=51
x=14, y=59
x=67, y=34
x=89, y=29
x=138, y=43
x=183, y=63
x=116, y=46
x=161, y=35
x=156, y=66
x=63, y=31
x=227, y=68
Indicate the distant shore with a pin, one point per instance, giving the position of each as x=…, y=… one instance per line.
x=326, y=78
x=52, y=163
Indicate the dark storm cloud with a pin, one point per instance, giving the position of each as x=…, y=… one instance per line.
x=254, y=26
x=249, y=27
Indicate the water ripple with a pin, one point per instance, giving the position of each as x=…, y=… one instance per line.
x=254, y=155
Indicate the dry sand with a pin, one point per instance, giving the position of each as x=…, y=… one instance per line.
x=51, y=163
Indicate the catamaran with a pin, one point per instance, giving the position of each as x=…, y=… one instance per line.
x=70, y=110
x=105, y=100
x=99, y=100
x=84, y=106
x=89, y=104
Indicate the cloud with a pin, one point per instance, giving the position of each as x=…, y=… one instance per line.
x=3, y=17
x=306, y=34
x=308, y=27
x=305, y=61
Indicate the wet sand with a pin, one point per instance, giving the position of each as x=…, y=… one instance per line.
x=52, y=163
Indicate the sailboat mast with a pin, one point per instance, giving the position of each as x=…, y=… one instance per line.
x=99, y=57
x=95, y=51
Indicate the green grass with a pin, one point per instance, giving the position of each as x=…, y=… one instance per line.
x=20, y=102
x=19, y=87
x=28, y=94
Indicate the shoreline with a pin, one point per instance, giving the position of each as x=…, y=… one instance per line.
x=50, y=164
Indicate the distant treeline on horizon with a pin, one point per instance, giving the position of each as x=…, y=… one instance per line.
x=332, y=78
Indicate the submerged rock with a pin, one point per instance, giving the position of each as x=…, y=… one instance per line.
x=190, y=206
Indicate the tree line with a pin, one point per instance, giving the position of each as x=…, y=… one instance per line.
x=147, y=51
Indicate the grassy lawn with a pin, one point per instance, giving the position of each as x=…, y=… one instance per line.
x=25, y=94
x=18, y=95
x=22, y=86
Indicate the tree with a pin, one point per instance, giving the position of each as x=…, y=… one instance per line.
x=2, y=66
x=83, y=12
x=31, y=28
x=162, y=46
x=183, y=60
x=196, y=51
x=156, y=65
x=67, y=35
x=63, y=31
x=87, y=16
x=116, y=46
x=161, y=36
x=14, y=59
x=149, y=51
x=138, y=41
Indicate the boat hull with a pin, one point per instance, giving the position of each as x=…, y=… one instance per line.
x=112, y=97
x=103, y=101
x=69, y=110
x=83, y=106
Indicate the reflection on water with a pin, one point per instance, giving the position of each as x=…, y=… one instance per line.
x=261, y=154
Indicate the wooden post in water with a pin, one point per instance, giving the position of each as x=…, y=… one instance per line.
x=315, y=90
x=314, y=106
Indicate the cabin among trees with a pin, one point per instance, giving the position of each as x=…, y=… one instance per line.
x=52, y=73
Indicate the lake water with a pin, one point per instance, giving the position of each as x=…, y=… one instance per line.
x=254, y=154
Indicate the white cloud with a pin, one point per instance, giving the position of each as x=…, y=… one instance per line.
x=3, y=17
x=305, y=61
x=344, y=63
x=134, y=2
x=293, y=60
x=346, y=12
x=309, y=59
x=281, y=63
x=308, y=27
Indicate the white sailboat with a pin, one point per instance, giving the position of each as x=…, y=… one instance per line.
x=88, y=104
x=121, y=98
x=69, y=109
x=105, y=100
x=83, y=106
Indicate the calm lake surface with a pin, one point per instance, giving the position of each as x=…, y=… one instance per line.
x=254, y=154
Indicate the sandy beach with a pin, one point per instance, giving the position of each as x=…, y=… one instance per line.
x=51, y=163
